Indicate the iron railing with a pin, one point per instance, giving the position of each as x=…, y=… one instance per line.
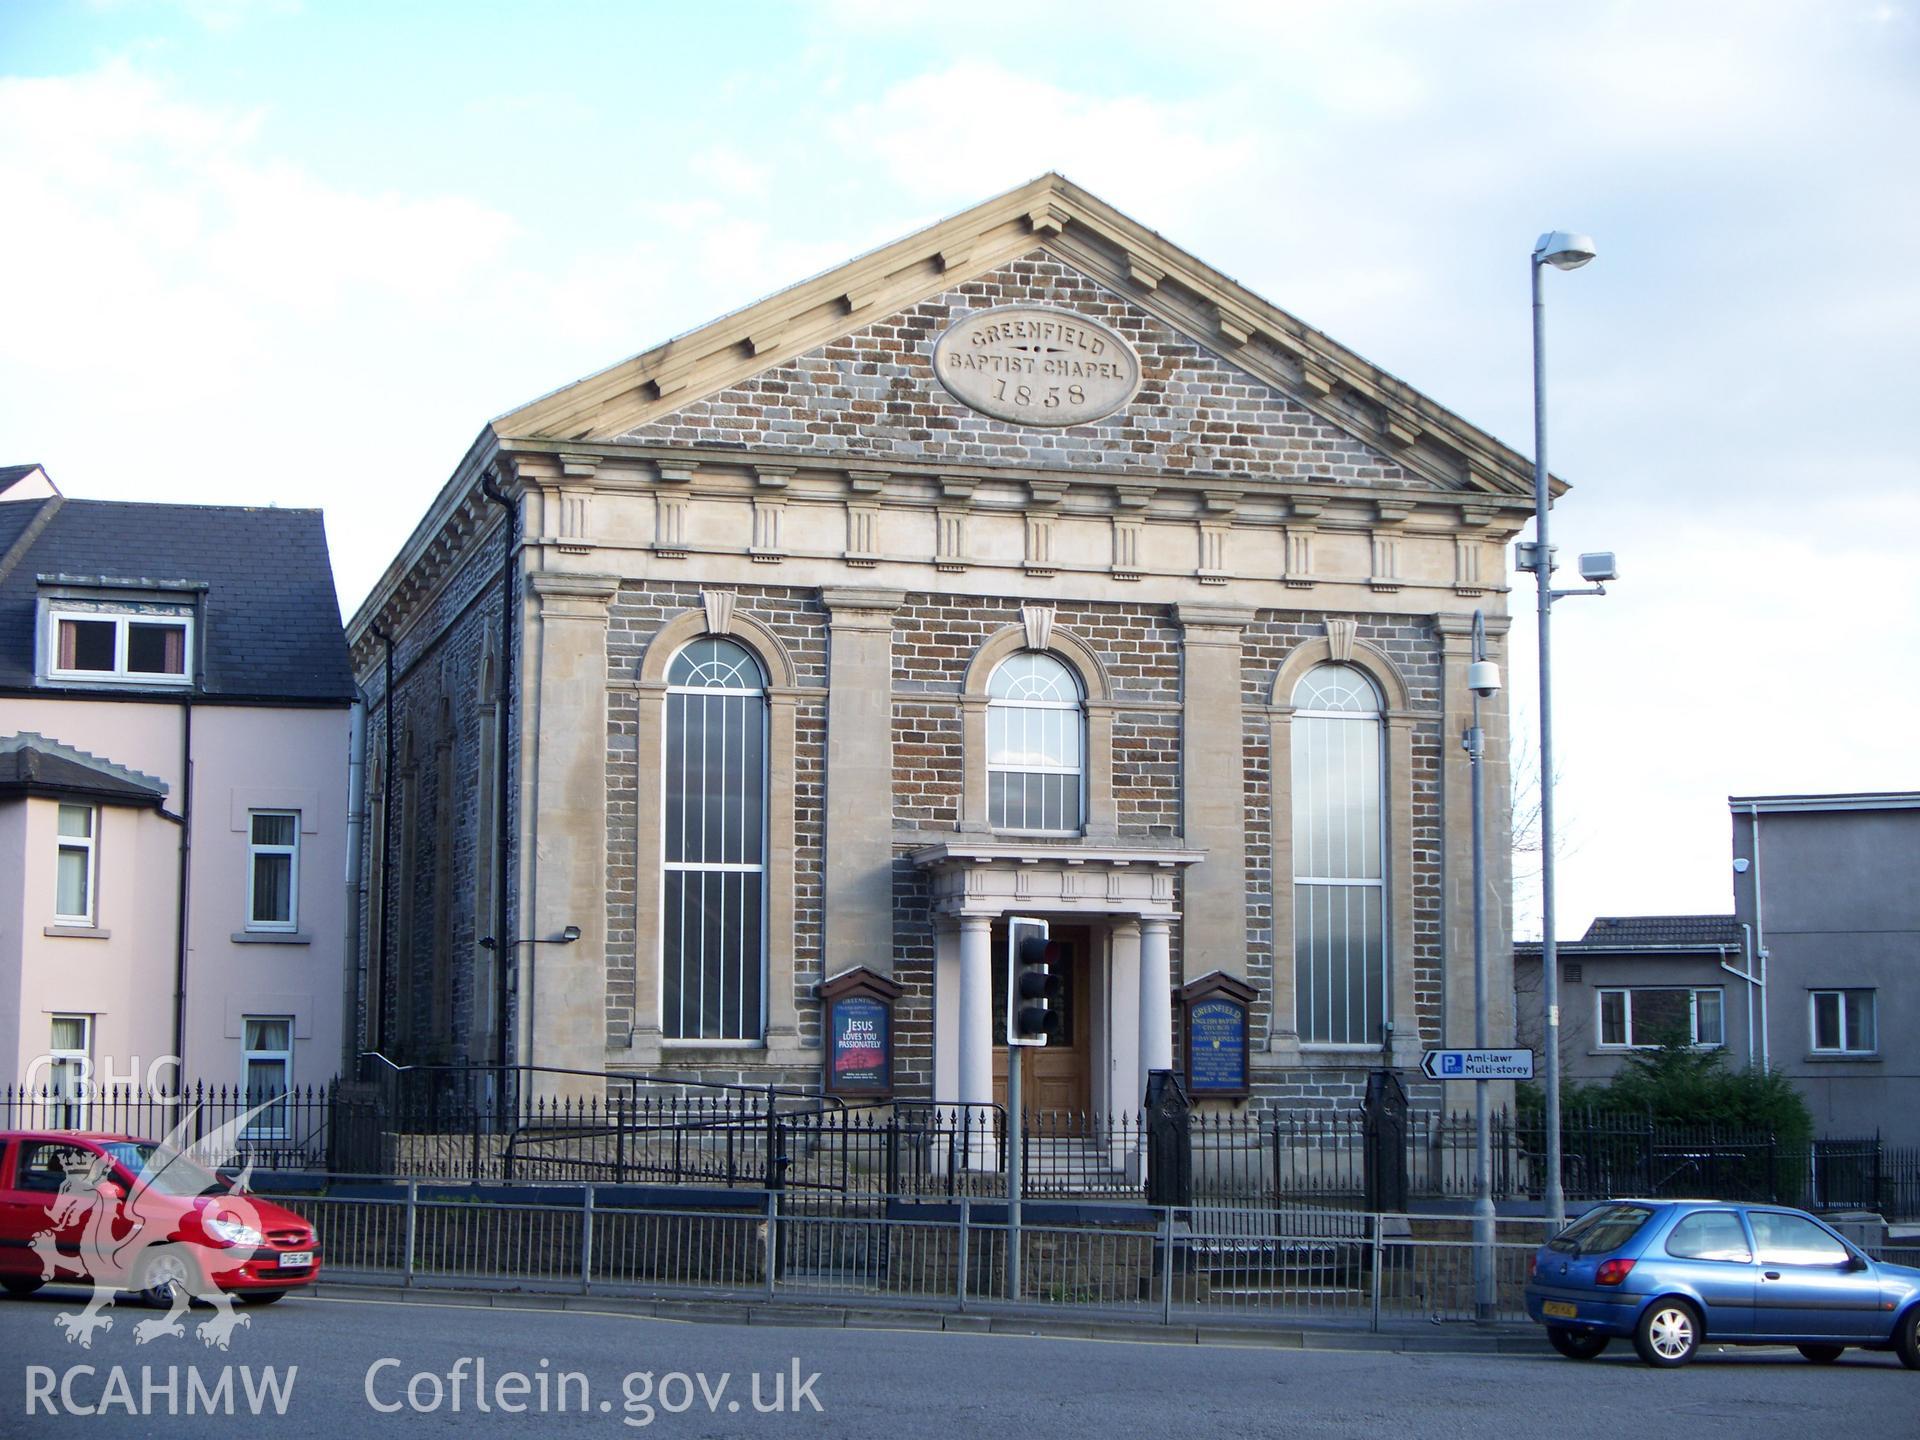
x=1102, y=1259
x=479, y=1125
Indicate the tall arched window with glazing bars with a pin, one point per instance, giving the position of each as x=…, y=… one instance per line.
x=1035, y=727
x=713, y=903
x=1339, y=859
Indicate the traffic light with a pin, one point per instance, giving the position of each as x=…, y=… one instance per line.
x=1030, y=1016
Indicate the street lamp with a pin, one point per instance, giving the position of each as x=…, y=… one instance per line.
x=1563, y=251
x=1483, y=679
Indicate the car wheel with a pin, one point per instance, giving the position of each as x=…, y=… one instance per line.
x=161, y=1275
x=1822, y=1354
x=261, y=1297
x=1576, y=1344
x=1906, y=1338
x=1668, y=1333
x=21, y=1284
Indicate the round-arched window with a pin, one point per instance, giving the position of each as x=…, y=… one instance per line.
x=713, y=900
x=1035, y=745
x=1339, y=858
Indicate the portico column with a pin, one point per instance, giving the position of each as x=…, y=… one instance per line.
x=1156, y=998
x=976, y=1010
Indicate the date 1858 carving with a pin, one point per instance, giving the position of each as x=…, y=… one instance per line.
x=1034, y=365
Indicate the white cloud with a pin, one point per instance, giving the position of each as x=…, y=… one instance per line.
x=976, y=126
x=195, y=309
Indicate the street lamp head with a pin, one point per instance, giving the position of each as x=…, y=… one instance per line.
x=1598, y=566
x=1563, y=250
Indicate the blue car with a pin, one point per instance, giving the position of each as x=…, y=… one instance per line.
x=1673, y=1274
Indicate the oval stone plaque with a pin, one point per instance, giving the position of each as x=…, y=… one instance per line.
x=1034, y=365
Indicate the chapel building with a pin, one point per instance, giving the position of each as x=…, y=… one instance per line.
x=1027, y=566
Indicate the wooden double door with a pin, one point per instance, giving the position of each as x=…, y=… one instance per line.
x=1056, y=1078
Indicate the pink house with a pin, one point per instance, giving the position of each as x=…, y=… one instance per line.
x=176, y=713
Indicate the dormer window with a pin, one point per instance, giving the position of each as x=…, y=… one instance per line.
x=92, y=642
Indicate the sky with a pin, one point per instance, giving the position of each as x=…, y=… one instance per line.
x=260, y=252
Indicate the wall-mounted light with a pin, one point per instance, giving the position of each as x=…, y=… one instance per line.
x=565, y=937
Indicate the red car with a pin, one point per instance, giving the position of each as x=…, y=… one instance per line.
x=133, y=1214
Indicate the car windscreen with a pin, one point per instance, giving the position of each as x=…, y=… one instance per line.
x=158, y=1168
x=1601, y=1229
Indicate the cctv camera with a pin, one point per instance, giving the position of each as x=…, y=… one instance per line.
x=1598, y=567
x=1483, y=678
x=1740, y=866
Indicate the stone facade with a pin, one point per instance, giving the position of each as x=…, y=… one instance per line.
x=796, y=481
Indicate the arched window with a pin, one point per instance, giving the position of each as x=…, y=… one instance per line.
x=713, y=903
x=1035, y=720
x=1339, y=885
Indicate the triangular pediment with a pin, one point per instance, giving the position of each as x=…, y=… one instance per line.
x=1302, y=406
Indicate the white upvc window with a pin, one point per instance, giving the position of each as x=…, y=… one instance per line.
x=99, y=643
x=76, y=875
x=1844, y=1022
x=70, y=1051
x=266, y=1071
x=273, y=870
x=1642, y=1017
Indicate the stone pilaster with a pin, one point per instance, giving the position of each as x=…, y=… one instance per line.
x=1213, y=807
x=563, y=987
x=859, y=789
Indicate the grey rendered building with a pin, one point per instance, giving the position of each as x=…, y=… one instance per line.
x=1633, y=980
x=1814, y=974
x=1828, y=885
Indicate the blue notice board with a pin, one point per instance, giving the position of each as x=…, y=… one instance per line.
x=1217, y=1046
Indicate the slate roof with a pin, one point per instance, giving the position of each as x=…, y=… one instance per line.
x=32, y=764
x=268, y=618
x=1626, y=932
x=14, y=519
x=11, y=473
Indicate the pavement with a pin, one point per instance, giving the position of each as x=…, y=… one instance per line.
x=356, y=1363
x=1459, y=1338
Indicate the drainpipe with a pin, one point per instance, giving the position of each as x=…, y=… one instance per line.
x=377, y=1004
x=1760, y=935
x=354, y=981
x=184, y=893
x=504, y=953
x=1746, y=931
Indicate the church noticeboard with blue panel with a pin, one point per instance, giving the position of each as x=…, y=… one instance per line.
x=859, y=1016
x=1216, y=1029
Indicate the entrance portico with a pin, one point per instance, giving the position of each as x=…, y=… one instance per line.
x=1125, y=900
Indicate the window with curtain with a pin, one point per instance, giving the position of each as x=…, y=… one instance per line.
x=95, y=643
x=713, y=910
x=71, y=1071
x=1339, y=850
x=1844, y=1022
x=273, y=870
x=74, y=878
x=1649, y=1016
x=1035, y=725
x=266, y=1071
